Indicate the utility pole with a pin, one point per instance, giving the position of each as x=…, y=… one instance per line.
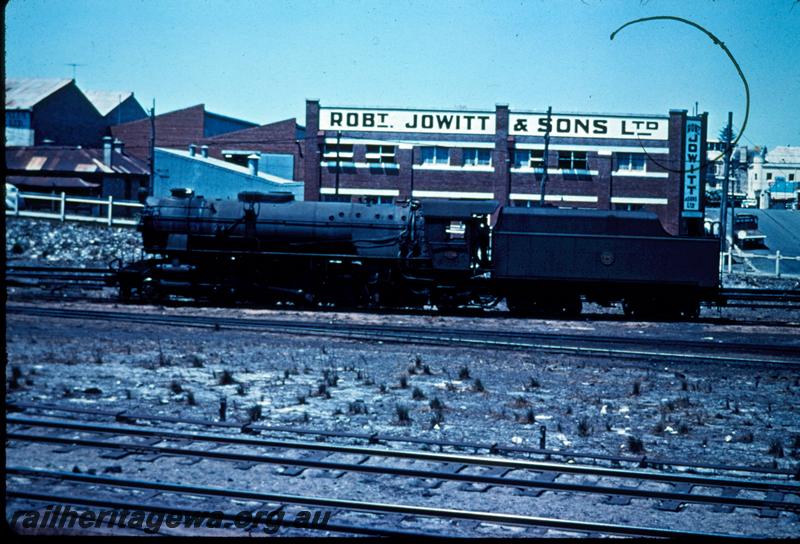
x=544, y=156
x=723, y=208
x=338, y=162
x=152, y=147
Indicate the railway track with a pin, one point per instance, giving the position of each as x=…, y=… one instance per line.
x=648, y=348
x=63, y=276
x=96, y=277
x=566, y=455
x=525, y=479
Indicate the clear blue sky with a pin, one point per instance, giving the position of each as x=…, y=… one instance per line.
x=259, y=60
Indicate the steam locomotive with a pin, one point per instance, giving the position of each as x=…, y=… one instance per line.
x=267, y=247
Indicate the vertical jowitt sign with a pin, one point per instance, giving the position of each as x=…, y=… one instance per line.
x=691, y=169
x=443, y=122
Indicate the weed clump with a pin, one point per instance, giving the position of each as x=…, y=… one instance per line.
x=417, y=394
x=176, y=387
x=403, y=417
x=463, y=373
x=477, y=386
x=635, y=445
x=775, y=447
x=226, y=378
x=584, y=428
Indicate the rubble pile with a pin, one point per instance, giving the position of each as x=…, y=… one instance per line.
x=31, y=241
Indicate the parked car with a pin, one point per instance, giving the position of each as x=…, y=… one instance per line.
x=12, y=196
x=745, y=231
x=749, y=203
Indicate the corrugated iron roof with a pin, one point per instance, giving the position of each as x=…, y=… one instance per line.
x=71, y=159
x=26, y=93
x=106, y=101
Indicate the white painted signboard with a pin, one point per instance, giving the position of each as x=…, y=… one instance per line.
x=590, y=126
x=691, y=169
x=433, y=122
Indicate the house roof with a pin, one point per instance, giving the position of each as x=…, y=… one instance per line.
x=784, y=154
x=106, y=101
x=71, y=159
x=24, y=94
x=226, y=165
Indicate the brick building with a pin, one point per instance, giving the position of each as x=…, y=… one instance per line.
x=176, y=129
x=592, y=161
x=279, y=147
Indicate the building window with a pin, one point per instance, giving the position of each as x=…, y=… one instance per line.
x=630, y=161
x=628, y=207
x=524, y=158
x=769, y=176
x=477, y=157
x=572, y=160
x=755, y=176
x=435, y=155
x=791, y=177
x=371, y=199
x=333, y=153
x=380, y=153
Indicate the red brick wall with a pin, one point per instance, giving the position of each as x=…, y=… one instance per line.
x=176, y=129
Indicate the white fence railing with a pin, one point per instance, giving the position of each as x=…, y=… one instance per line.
x=726, y=261
x=94, y=214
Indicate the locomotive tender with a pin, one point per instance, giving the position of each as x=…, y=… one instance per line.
x=267, y=247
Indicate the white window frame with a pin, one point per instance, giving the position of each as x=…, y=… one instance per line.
x=474, y=159
x=380, y=154
x=572, y=160
x=628, y=165
x=341, y=153
x=435, y=157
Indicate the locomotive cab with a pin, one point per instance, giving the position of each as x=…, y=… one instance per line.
x=457, y=233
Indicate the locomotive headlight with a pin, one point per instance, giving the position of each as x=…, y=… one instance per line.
x=741, y=234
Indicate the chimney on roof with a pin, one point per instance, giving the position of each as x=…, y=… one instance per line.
x=107, y=150
x=252, y=164
x=119, y=147
x=204, y=151
x=192, y=150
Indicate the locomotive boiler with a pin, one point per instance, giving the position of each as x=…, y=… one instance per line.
x=269, y=247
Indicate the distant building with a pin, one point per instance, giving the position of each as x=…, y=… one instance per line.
x=176, y=130
x=737, y=176
x=51, y=111
x=774, y=172
x=116, y=107
x=278, y=145
x=101, y=172
x=214, y=178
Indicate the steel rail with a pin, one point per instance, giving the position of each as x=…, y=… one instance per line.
x=403, y=334
x=374, y=438
x=520, y=464
x=434, y=512
x=146, y=507
x=413, y=473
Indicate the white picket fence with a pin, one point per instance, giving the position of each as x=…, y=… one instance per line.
x=104, y=217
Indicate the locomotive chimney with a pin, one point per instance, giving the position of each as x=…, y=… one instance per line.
x=192, y=150
x=107, y=150
x=118, y=146
x=252, y=164
x=204, y=151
